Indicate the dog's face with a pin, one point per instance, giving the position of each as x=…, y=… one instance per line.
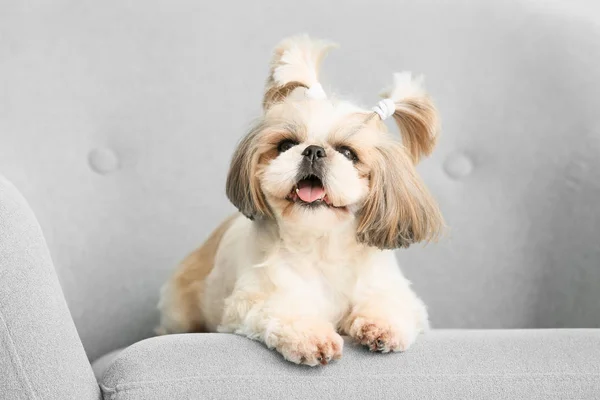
x=313, y=170
x=317, y=163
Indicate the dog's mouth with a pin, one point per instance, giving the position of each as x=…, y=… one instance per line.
x=309, y=191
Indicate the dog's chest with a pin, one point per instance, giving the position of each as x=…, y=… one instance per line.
x=331, y=273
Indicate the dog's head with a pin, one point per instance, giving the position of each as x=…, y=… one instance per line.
x=318, y=162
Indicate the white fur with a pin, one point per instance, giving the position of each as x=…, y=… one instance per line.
x=297, y=59
x=405, y=86
x=294, y=286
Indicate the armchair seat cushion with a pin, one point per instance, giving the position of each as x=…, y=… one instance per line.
x=444, y=364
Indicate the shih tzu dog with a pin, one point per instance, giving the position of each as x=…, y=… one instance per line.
x=325, y=194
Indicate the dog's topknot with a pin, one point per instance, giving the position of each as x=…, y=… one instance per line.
x=414, y=113
x=295, y=63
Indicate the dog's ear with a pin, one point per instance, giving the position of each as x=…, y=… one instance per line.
x=415, y=115
x=243, y=186
x=399, y=210
x=295, y=63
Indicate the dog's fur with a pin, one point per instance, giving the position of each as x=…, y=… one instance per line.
x=296, y=275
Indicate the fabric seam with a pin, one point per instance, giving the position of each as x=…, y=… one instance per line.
x=140, y=385
x=18, y=361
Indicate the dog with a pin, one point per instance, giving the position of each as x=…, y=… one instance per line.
x=325, y=193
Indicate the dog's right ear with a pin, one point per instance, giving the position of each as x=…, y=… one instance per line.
x=295, y=64
x=243, y=186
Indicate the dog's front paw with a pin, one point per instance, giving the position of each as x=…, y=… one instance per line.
x=379, y=335
x=308, y=343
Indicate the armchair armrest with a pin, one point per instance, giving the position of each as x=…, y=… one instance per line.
x=41, y=355
x=445, y=364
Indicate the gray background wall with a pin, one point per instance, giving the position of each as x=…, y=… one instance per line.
x=118, y=119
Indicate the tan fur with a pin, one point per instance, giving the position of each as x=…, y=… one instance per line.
x=276, y=94
x=415, y=114
x=243, y=186
x=399, y=210
x=418, y=122
x=187, y=284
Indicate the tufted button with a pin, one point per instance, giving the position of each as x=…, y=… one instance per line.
x=458, y=165
x=103, y=161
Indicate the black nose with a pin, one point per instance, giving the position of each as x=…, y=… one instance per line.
x=313, y=152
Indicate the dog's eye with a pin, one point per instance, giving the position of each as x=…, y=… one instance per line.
x=348, y=153
x=285, y=145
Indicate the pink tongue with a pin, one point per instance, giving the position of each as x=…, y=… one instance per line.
x=310, y=191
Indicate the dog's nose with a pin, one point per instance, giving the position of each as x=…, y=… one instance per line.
x=313, y=152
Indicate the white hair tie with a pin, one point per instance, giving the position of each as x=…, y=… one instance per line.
x=385, y=108
x=316, y=92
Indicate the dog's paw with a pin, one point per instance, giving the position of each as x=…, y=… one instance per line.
x=309, y=344
x=380, y=335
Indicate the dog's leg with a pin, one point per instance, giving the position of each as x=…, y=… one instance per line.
x=386, y=315
x=283, y=323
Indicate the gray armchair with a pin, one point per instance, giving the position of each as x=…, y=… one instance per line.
x=117, y=124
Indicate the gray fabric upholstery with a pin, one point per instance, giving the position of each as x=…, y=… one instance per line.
x=505, y=364
x=118, y=120
x=41, y=356
x=101, y=364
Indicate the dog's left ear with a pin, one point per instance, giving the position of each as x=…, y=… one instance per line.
x=399, y=210
x=295, y=63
